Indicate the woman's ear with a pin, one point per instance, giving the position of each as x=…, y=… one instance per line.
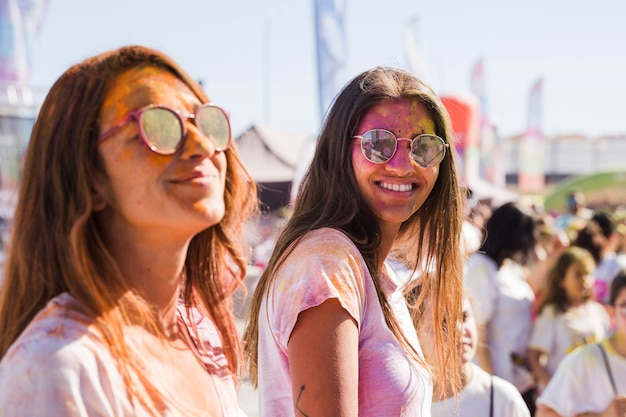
x=98, y=192
x=100, y=188
x=97, y=200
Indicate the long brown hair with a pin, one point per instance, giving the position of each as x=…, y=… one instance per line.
x=329, y=197
x=555, y=294
x=56, y=246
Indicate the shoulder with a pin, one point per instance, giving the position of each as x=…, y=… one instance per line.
x=581, y=360
x=505, y=388
x=62, y=334
x=323, y=254
x=479, y=259
x=64, y=323
x=479, y=266
x=327, y=240
x=549, y=312
x=62, y=359
x=508, y=399
x=594, y=306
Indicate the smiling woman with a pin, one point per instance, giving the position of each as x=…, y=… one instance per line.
x=126, y=248
x=329, y=310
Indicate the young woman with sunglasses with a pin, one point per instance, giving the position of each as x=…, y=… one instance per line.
x=329, y=331
x=125, y=248
x=591, y=381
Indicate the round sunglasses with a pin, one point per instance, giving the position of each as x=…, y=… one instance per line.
x=380, y=145
x=163, y=129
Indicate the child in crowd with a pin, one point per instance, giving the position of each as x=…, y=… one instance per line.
x=591, y=381
x=480, y=393
x=567, y=316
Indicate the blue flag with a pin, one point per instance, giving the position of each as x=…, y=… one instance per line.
x=20, y=21
x=331, y=49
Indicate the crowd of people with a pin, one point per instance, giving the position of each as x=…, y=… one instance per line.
x=542, y=289
x=382, y=293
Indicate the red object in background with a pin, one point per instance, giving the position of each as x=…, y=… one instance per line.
x=464, y=111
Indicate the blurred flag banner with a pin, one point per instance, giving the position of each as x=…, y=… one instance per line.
x=20, y=21
x=532, y=147
x=331, y=49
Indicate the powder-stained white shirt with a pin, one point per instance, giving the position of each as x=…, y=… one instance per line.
x=60, y=366
x=326, y=264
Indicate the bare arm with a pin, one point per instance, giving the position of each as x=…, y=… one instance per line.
x=483, y=356
x=323, y=359
x=541, y=373
x=617, y=408
x=545, y=411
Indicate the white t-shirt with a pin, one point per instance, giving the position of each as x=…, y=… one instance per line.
x=474, y=400
x=60, y=366
x=581, y=383
x=559, y=333
x=326, y=264
x=503, y=301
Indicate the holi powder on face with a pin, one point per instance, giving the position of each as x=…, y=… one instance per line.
x=405, y=118
x=134, y=89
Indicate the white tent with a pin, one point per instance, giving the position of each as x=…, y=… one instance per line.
x=272, y=157
x=483, y=190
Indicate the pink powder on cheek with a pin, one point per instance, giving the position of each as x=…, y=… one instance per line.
x=359, y=161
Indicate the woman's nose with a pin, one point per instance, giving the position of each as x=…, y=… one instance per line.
x=197, y=144
x=401, y=161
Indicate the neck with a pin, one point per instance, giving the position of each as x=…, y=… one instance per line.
x=467, y=371
x=389, y=234
x=618, y=342
x=153, y=268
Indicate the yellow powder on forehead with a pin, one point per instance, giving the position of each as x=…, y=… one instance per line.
x=131, y=82
x=133, y=89
x=408, y=116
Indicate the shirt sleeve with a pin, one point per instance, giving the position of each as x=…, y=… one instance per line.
x=324, y=266
x=566, y=387
x=543, y=333
x=507, y=399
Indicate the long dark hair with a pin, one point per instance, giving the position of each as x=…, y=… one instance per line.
x=329, y=197
x=555, y=294
x=509, y=233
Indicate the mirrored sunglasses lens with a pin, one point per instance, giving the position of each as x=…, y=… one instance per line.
x=161, y=129
x=428, y=150
x=213, y=123
x=378, y=146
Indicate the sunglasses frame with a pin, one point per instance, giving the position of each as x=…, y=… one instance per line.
x=397, y=139
x=135, y=116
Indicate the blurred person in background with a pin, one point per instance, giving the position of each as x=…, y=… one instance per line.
x=568, y=316
x=551, y=242
x=480, y=393
x=591, y=381
x=575, y=216
x=495, y=277
x=602, y=229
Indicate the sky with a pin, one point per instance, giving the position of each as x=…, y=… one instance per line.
x=257, y=58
